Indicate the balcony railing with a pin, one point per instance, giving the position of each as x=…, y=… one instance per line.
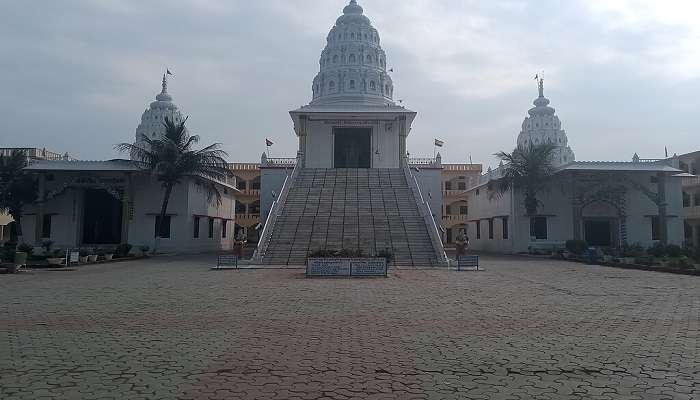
x=451, y=219
x=279, y=162
x=247, y=220
x=690, y=181
x=462, y=167
x=250, y=192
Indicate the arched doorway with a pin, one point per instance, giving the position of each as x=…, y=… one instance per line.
x=601, y=224
x=102, y=217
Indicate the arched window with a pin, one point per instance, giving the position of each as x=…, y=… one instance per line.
x=372, y=85
x=335, y=59
x=352, y=35
x=352, y=58
x=369, y=59
x=331, y=85
x=386, y=89
x=365, y=36
x=381, y=61
x=352, y=84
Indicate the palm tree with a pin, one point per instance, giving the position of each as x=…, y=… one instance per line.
x=171, y=158
x=527, y=168
x=17, y=187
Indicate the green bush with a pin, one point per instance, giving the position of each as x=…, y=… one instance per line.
x=674, y=251
x=681, y=262
x=576, y=246
x=387, y=255
x=634, y=250
x=658, y=250
x=25, y=248
x=122, y=250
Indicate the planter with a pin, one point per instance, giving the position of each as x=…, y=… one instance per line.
x=92, y=258
x=83, y=259
x=346, y=267
x=20, y=258
x=628, y=260
x=55, y=261
x=108, y=257
x=607, y=259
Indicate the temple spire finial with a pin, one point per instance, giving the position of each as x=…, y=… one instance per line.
x=541, y=86
x=165, y=84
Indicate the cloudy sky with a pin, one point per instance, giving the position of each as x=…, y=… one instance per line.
x=624, y=75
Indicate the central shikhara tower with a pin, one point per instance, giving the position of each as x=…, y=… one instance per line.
x=352, y=120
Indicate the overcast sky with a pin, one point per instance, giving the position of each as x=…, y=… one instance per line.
x=624, y=76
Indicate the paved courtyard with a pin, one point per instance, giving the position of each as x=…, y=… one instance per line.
x=524, y=328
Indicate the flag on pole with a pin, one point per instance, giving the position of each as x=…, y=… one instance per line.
x=439, y=143
x=167, y=71
x=666, y=150
x=537, y=76
x=268, y=142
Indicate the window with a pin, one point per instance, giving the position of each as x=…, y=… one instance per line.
x=491, y=228
x=448, y=185
x=477, y=192
x=335, y=59
x=448, y=210
x=331, y=85
x=369, y=59
x=196, y=228
x=655, y=229
x=462, y=185
x=224, y=225
x=46, y=226
x=463, y=210
x=211, y=228
x=372, y=85
x=164, y=227
x=686, y=199
x=352, y=58
x=697, y=200
x=478, y=229
x=352, y=84
x=504, y=221
x=538, y=227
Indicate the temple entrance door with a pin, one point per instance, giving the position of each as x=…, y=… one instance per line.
x=352, y=148
x=598, y=232
x=102, y=218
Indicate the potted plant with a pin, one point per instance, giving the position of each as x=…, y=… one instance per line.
x=108, y=255
x=83, y=257
x=92, y=256
x=574, y=248
x=144, y=251
x=55, y=258
x=631, y=252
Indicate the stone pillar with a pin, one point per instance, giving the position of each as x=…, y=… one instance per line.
x=663, y=220
x=402, y=139
x=577, y=209
x=303, y=128
x=41, y=200
x=127, y=199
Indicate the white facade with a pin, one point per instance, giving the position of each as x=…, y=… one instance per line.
x=71, y=189
x=604, y=203
x=352, y=120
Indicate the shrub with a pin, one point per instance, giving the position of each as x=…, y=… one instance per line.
x=681, y=262
x=387, y=255
x=658, y=250
x=46, y=244
x=7, y=254
x=144, y=249
x=674, y=251
x=25, y=248
x=576, y=246
x=123, y=250
x=634, y=250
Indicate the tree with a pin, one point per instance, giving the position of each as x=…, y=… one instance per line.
x=172, y=158
x=527, y=168
x=17, y=187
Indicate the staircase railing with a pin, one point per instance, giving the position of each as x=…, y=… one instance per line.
x=275, y=209
x=427, y=214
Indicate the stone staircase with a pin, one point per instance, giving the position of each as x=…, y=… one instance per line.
x=367, y=209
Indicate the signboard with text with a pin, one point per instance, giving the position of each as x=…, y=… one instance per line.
x=346, y=267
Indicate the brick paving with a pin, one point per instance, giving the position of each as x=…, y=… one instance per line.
x=169, y=328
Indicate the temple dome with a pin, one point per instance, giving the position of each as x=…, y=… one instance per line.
x=154, y=116
x=543, y=126
x=353, y=64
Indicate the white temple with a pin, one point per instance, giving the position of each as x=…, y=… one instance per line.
x=153, y=117
x=543, y=126
x=352, y=120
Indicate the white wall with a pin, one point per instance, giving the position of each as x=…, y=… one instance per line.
x=271, y=179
